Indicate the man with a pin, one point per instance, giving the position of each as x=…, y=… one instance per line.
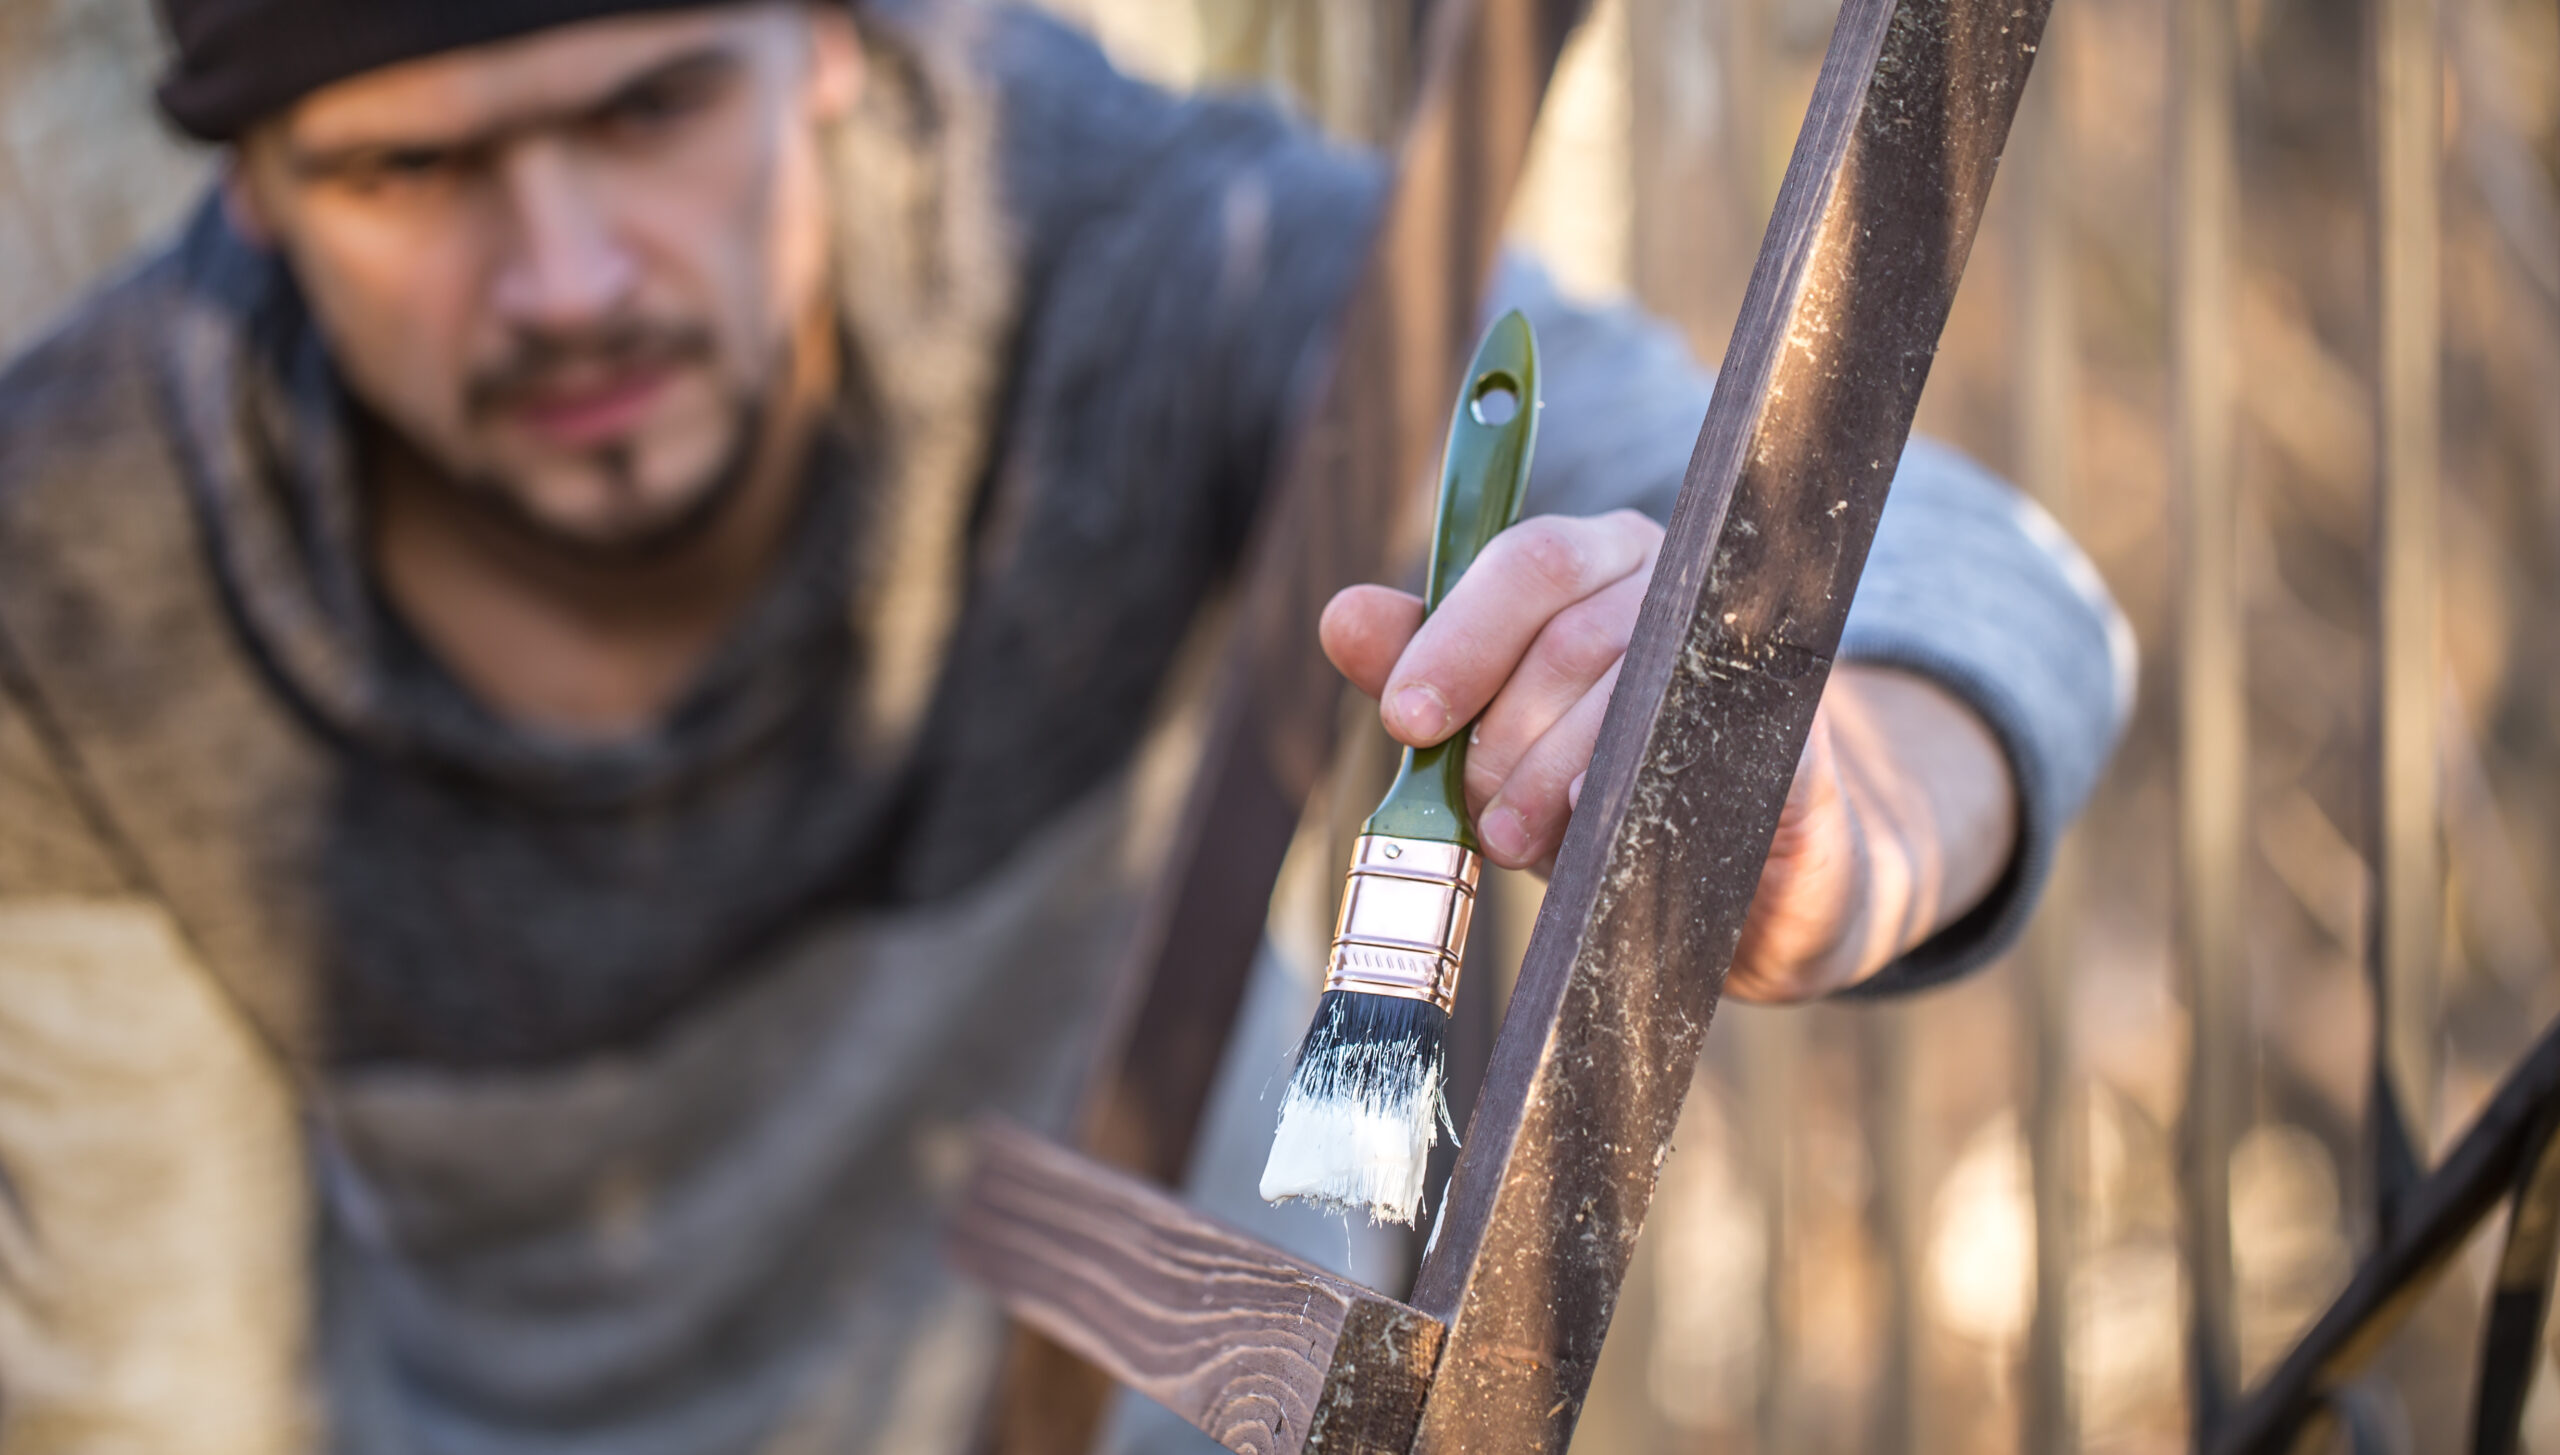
x=570, y=660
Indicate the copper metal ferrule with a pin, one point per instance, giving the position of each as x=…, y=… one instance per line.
x=1405, y=911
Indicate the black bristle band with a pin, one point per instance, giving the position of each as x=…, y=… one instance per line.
x=1360, y=1045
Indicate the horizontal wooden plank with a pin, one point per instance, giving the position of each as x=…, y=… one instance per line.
x=1260, y=1350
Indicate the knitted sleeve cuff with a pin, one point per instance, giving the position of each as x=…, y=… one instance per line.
x=1973, y=586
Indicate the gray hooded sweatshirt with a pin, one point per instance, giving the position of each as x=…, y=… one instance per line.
x=378, y=1075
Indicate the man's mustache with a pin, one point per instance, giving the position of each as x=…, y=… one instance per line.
x=541, y=361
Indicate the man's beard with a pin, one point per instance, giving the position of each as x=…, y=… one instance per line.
x=633, y=535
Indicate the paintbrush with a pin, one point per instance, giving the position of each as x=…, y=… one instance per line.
x=1366, y=1100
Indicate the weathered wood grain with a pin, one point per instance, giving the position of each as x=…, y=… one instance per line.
x=1714, y=700
x=1267, y=1354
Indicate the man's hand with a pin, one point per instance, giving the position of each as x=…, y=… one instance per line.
x=1902, y=813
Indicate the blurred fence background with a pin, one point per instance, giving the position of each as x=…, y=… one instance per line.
x=2313, y=444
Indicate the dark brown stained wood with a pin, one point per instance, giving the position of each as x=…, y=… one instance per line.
x=2489, y=1162
x=1254, y=1347
x=1715, y=697
x=1383, y=1362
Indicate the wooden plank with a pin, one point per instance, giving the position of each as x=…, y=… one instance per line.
x=2212, y=707
x=2408, y=912
x=2439, y=1213
x=1715, y=696
x=1267, y=1354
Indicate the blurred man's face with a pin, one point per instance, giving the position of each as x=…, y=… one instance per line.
x=571, y=269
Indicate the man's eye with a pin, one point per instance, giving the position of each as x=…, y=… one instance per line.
x=403, y=168
x=650, y=108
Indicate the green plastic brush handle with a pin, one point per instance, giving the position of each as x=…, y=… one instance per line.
x=1484, y=472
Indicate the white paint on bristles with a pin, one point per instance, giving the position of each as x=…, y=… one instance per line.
x=1353, y=1141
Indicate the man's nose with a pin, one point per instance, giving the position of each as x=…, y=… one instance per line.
x=563, y=267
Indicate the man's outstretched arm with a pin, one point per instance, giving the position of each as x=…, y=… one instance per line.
x=1224, y=252
x=1982, y=681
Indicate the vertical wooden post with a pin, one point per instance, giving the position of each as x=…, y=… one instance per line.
x=2048, y=381
x=2212, y=708
x=2409, y=907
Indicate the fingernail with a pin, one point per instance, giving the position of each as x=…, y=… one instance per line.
x=1421, y=713
x=1573, y=791
x=1505, y=832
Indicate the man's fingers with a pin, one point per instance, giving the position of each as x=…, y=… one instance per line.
x=1464, y=653
x=1364, y=629
x=1524, y=823
x=1572, y=652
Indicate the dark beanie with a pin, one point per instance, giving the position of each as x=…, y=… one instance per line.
x=239, y=61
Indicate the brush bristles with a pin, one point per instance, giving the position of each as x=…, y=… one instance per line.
x=1357, y=1122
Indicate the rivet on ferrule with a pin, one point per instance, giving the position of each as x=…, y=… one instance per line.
x=1403, y=926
